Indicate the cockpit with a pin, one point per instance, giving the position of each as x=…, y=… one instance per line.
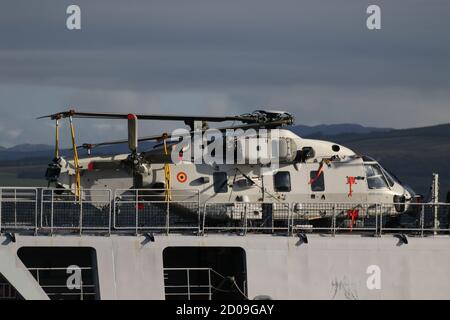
x=380, y=178
x=377, y=176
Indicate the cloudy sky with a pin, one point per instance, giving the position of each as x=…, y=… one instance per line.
x=313, y=58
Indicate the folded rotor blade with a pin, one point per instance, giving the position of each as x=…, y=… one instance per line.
x=156, y=157
x=106, y=165
x=104, y=115
x=132, y=133
x=168, y=136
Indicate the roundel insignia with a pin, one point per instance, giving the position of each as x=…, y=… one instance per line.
x=181, y=177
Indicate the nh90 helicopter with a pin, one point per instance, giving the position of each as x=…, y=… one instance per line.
x=307, y=171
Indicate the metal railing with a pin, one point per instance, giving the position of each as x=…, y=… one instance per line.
x=246, y=217
x=333, y=218
x=62, y=210
x=197, y=284
x=7, y=292
x=19, y=208
x=148, y=210
x=336, y=217
x=49, y=210
x=188, y=283
x=54, y=282
x=423, y=218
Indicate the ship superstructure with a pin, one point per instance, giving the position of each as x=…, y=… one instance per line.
x=324, y=223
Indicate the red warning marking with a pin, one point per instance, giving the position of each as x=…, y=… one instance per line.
x=351, y=181
x=181, y=177
x=352, y=214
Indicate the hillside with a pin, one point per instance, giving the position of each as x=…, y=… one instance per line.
x=335, y=129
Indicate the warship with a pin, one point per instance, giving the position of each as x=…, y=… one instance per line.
x=247, y=211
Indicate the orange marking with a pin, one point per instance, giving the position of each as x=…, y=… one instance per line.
x=351, y=181
x=353, y=214
x=181, y=177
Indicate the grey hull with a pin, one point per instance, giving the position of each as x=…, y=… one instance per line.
x=280, y=267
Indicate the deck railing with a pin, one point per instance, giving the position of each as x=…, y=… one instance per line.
x=19, y=208
x=188, y=283
x=7, y=292
x=54, y=282
x=138, y=211
x=197, y=284
x=61, y=211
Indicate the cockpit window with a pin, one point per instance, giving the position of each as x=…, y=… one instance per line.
x=390, y=179
x=375, y=177
x=390, y=176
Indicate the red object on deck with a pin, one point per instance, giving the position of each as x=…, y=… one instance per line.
x=353, y=214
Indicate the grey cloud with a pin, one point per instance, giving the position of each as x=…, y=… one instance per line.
x=313, y=58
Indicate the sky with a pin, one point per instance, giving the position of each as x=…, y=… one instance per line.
x=313, y=58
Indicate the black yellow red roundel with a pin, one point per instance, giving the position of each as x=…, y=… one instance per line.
x=181, y=177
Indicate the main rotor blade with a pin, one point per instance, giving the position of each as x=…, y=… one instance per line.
x=107, y=143
x=106, y=165
x=156, y=157
x=272, y=124
x=102, y=115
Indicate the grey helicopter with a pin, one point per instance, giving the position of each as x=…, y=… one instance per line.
x=258, y=161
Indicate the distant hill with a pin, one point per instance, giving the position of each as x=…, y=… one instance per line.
x=335, y=129
x=24, y=151
x=29, y=148
x=441, y=130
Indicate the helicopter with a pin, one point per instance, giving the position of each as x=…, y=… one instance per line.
x=303, y=171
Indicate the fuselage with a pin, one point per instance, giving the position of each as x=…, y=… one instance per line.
x=327, y=173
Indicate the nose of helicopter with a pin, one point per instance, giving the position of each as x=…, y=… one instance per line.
x=407, y=194
x=411, y=196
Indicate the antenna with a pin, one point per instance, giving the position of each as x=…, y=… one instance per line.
x=435, y=200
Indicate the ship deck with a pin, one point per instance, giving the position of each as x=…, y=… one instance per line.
x=136, y=246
